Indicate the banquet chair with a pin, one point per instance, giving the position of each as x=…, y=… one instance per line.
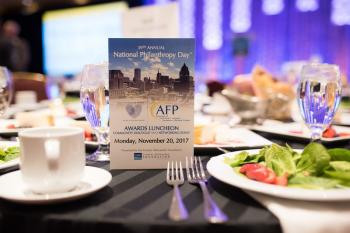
x=26, y=81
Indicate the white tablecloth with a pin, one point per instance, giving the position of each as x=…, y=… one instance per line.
x=308, y=217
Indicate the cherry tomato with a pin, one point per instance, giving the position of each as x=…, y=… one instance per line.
x=11, y=126
x=249, y=167
x=329, y=133
x=271, y=178
x=71, y=113
x=87, y=134
x=258, y=174
x=282, y=180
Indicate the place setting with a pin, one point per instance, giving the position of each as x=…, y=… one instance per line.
x=319, y=94
x=52, y=168
x=297, y=184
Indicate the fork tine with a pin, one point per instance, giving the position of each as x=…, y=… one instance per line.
x=201, y=167
x=197, y=169
x=181, y=173
x=192, y=168
x=172, y=170
x=176, y=171
x=168, y=172
x=188, y=170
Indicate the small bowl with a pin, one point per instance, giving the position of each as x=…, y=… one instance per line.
x=279, y=107
x=248, y=108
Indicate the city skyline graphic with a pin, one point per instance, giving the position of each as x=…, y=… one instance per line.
x=152, y=67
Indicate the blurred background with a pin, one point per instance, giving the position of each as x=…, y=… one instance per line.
x=59, y=36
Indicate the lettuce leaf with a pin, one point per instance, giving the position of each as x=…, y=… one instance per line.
x=338, y=175
x=307, y=164
x=280, y=160
x=9, y=153
x=237, y=159
x=319, y=154
x=339, y=154
x=342, y=166
x=313, y=182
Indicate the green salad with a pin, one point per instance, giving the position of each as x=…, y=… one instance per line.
x=313, y=168
x=8, y=153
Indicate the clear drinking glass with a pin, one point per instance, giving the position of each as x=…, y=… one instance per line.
x=319, y=94
x=5, y=89
x=94, y=97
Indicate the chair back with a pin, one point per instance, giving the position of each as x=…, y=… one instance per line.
x=25, y=81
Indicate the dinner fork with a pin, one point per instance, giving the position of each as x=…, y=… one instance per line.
x=211, y=211
x=175, y=177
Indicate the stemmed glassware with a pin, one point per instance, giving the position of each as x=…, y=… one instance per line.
x=94, y=97
x=319, y=94
x=5, y=89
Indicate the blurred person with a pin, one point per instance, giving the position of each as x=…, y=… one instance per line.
x=14, y=51
x=5, y=47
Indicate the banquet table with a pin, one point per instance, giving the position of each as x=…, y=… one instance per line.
x=138, y=201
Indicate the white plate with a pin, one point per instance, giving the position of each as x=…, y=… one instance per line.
x=13, y=162
x=4, y=131
x=298, y=130
x=93, y=180
x=343, y=119
x=221, y=171
x=226, y=137
x=8, y=132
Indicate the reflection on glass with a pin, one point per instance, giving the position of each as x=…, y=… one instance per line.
x=319, y=94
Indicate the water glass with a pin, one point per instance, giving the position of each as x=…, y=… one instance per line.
x=5, y=89
x=94, y=97
x=319, y=94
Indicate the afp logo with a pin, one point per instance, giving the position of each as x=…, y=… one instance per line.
x=167, y=109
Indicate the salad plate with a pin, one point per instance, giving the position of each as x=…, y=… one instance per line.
x=11, y=163
x=93, y=180
x=225, y=173
x=8, y=128
x=226, y=137
x=299, y=131
x=11, y=127
x=343, y=119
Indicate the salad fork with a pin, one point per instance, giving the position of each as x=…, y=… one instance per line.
x=211, y=211
x=175, y=178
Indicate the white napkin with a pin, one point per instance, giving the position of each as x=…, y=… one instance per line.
x=306, y=216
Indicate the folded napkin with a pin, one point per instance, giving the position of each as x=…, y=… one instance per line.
x=306, y=216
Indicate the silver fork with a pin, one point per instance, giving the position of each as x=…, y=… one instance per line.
x=211, y=211
x=175, y=177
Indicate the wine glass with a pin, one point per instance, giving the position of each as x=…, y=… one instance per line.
x=94, y=97
x=5, y=89
x=319, y=94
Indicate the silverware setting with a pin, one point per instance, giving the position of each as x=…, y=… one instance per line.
x=175, y=178
x=196, y=176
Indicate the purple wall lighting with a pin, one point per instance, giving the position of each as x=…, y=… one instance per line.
x=234, y=35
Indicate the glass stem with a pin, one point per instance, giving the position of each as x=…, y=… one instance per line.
x=103, y=148
x=102, y=138
x=102, y=152
x=103, y=142
x=316, y=137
